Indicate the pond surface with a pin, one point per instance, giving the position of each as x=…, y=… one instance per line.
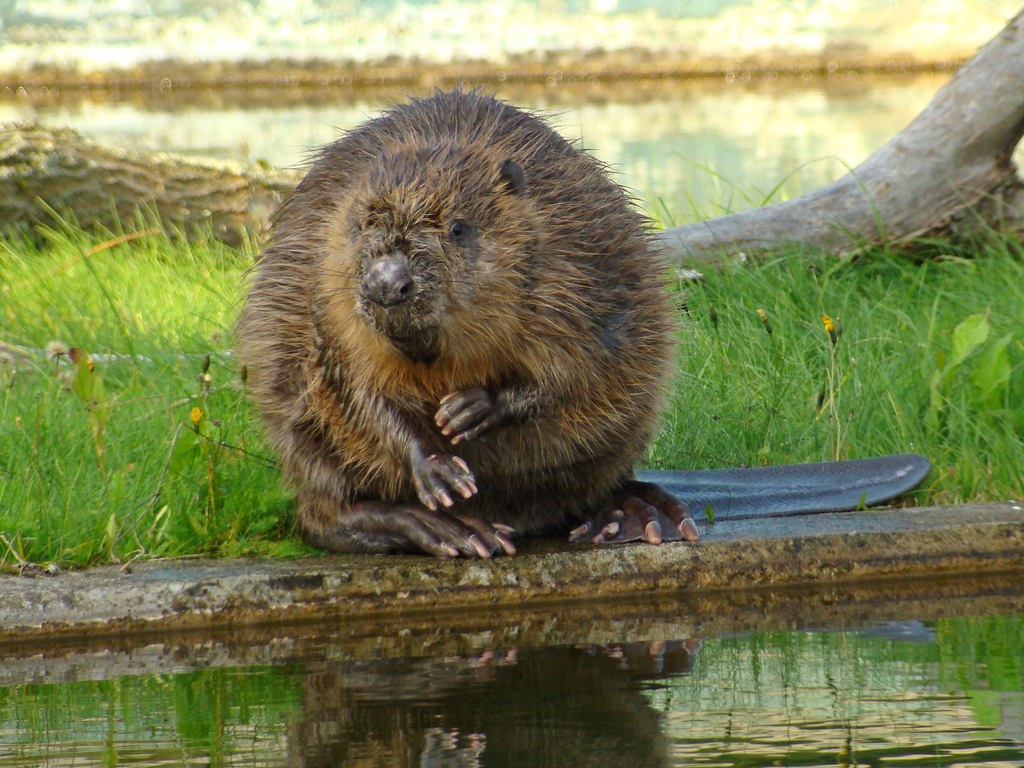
x=688, y=149
x=946, y=691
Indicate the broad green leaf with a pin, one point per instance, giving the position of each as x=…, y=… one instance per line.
x=110, y=531
x=83, y=380
x=88, y=385
x=116, y=486
x=184, y=452
x=970, y=334
x=991, y=375
x=100, y=409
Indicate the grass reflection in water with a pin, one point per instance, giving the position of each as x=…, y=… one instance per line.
x=950, y=692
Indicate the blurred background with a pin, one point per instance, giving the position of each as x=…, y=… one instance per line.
x=703, y=106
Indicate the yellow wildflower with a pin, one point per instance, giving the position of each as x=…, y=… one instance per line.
x=830, y=327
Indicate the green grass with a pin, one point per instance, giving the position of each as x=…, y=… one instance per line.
x=112, y=466
x=900, y=377
x=159, y=489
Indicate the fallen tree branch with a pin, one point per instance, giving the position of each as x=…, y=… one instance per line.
x=949, y=170
x=46, y=173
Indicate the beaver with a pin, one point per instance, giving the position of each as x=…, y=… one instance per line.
x=457, y=333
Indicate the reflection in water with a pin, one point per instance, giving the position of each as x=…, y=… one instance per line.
x=691, y=149
x=945, y=693
x=550, y=707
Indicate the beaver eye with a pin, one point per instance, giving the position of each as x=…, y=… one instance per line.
x=458, y=230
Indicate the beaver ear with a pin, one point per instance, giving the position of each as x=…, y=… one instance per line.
x=511, y=177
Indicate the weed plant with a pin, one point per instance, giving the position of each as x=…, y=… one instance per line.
x=146, y=446
x=813, y=359
x=139, y=442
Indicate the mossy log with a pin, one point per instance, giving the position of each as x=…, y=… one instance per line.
x=947, y=174
x=48, y=175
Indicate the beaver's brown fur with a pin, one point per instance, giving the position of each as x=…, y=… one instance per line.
x=460, y=309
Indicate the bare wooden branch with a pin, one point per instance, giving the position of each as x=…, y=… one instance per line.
x=47, y=171
x=949, y=170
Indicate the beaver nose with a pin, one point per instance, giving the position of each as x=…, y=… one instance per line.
x=387, y=281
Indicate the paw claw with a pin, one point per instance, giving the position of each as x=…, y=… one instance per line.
x=482, y=551
x=652, y=532
x=449, y=549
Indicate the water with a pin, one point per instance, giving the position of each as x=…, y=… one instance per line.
x=688, y=150
x=545, y=688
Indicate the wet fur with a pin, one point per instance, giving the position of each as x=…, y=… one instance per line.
x=557, y=304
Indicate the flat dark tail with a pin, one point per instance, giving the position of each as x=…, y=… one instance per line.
x=793, y=489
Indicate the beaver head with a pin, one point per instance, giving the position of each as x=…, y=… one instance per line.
x=432, y=234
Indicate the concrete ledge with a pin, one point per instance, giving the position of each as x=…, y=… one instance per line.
x=814, y=549
x=874, y=607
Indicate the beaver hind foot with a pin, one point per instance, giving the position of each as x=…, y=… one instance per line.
x=385, y=527
x=638, y=512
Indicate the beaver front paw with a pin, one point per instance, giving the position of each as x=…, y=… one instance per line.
x=467, y=414
x=433, y=475
x=639, y=512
